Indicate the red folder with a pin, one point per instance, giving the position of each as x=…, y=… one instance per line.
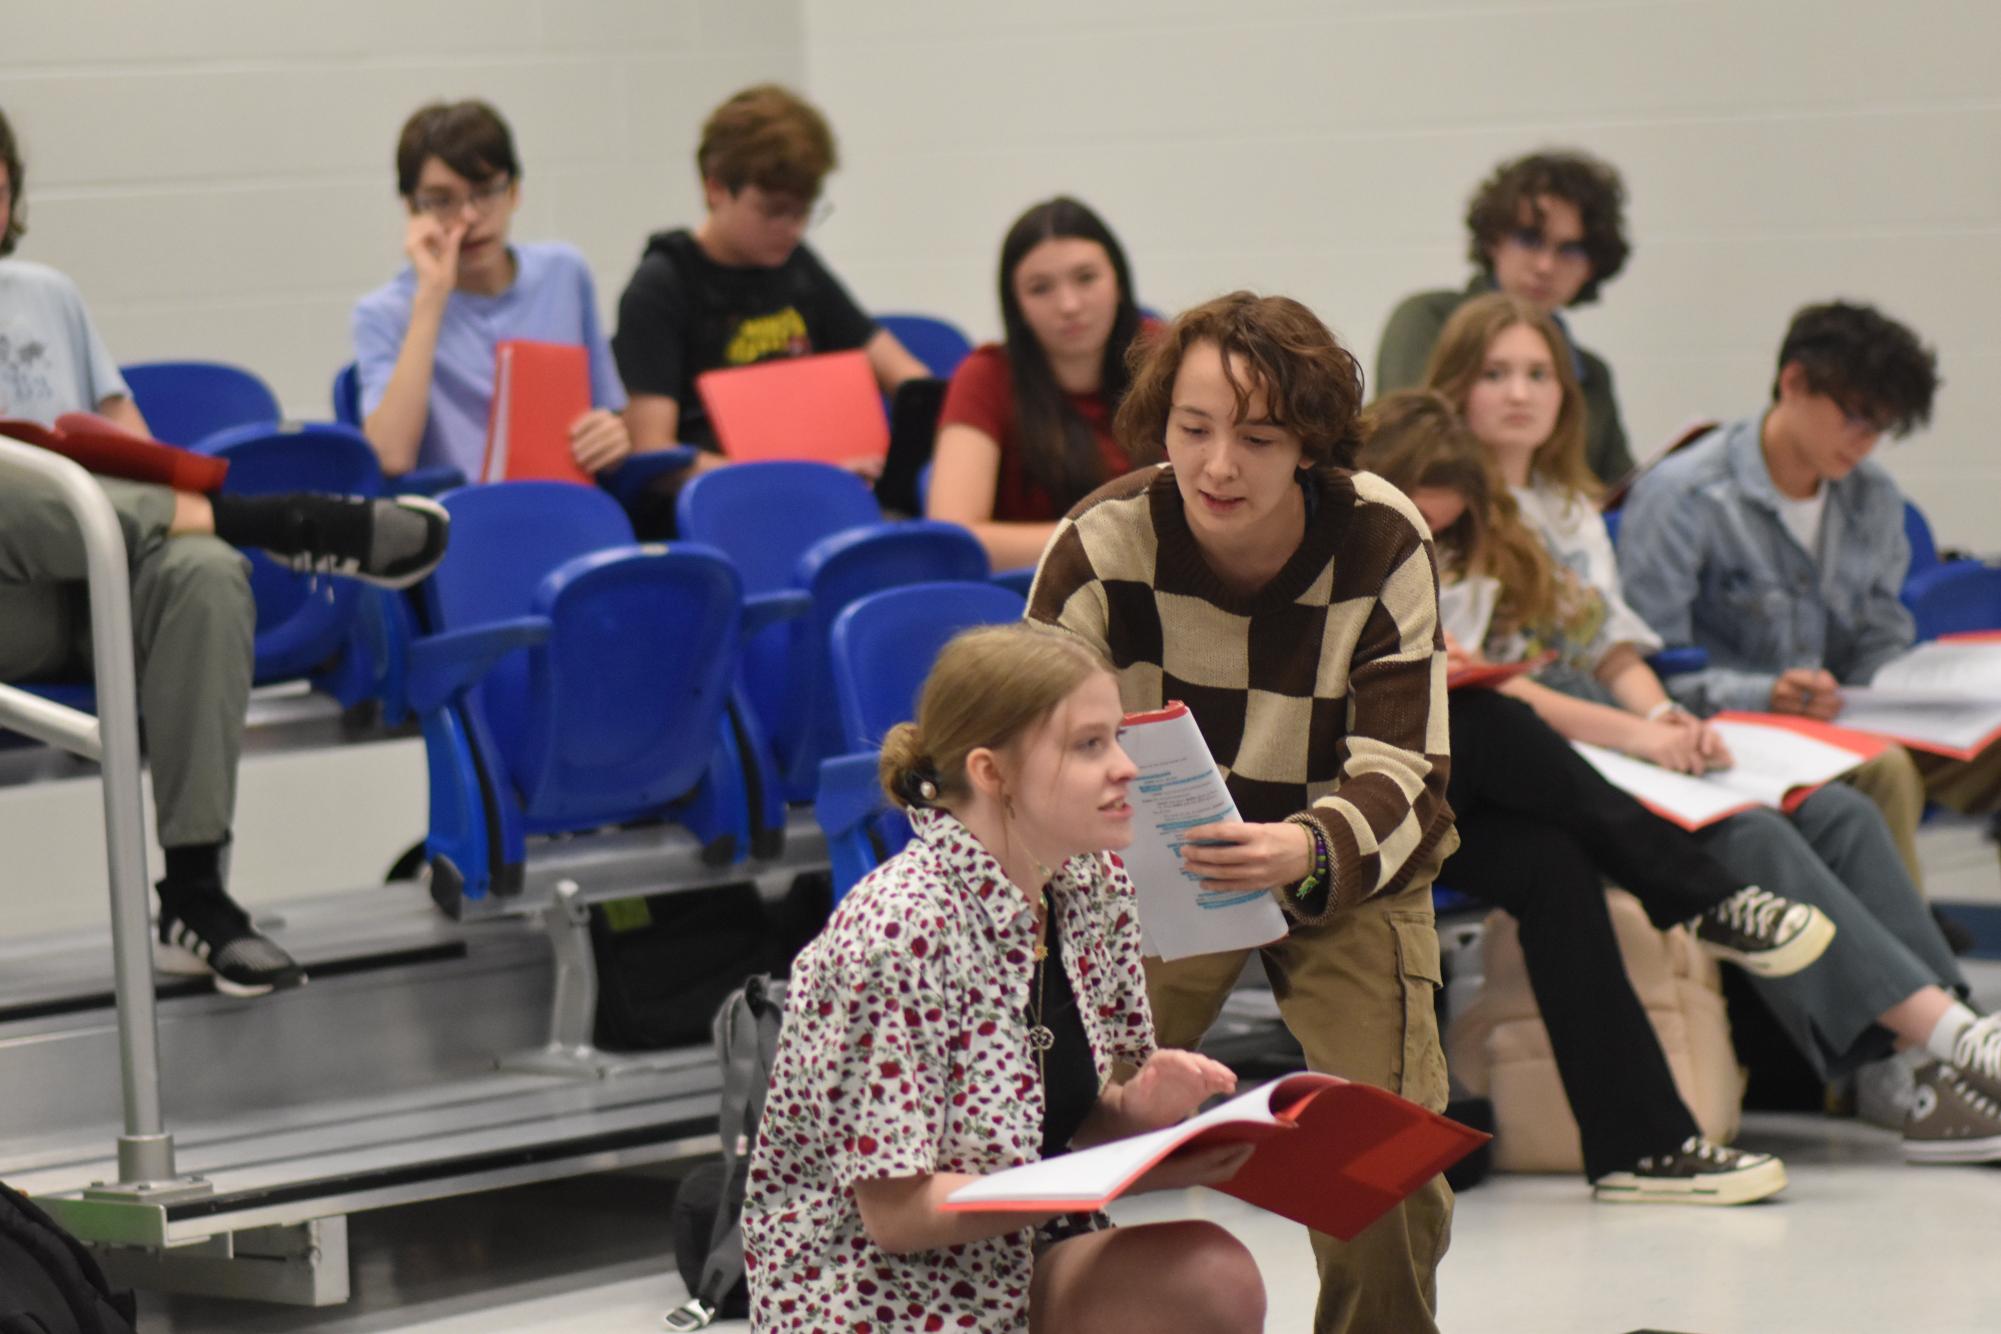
x=1335, y=1156
x=539, y=391
x=825, y=408
x=112, y=451
x=1490, y=674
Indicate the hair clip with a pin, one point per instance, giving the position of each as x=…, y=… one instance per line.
x=927, y=789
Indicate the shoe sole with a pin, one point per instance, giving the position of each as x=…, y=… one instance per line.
x=178, y=961
x=1986, y=1150
x=1720, y=1188
x=1799, y=952
x=422, y=505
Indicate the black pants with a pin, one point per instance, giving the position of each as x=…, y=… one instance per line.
x=1540, y=832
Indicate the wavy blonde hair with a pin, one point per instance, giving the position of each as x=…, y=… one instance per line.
x=1461, y=354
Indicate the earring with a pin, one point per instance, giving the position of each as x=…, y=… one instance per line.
x=927, y=789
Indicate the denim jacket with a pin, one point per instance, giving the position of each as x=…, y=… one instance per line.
x=1708, y=561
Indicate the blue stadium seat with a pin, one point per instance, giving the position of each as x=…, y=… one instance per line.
x=939, y=344
x=347, y=396
x=813, y=528
x=1924, y=548
x=616, y=711
x=185, y=401
x=307, y=626
x=1955, y=597
x=881, y=649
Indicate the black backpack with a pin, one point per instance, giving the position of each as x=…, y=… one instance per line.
x=707, y=1215
x=49, y=1284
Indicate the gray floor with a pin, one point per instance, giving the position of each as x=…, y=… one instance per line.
x=1859, y=1242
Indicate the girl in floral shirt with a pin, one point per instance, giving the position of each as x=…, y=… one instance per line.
x=963, y=1013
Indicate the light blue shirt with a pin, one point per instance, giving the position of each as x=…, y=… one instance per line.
x=51, y=359
x=552, y=300
x=1709, y=560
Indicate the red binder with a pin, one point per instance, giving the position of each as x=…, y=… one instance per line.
x=539, y=391
x=825, y=408
x=112, y=451
x=1331, y=1154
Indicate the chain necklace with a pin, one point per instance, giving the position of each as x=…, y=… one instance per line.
x=1040, y=1037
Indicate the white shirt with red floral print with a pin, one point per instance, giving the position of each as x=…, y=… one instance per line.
x=905, y=1052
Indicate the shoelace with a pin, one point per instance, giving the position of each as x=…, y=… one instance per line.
x=1979, y=1047
x=1756, y=912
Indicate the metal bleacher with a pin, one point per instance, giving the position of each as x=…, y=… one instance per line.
x=434, y=1053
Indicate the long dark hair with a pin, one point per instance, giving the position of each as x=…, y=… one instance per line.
x=1058, y=451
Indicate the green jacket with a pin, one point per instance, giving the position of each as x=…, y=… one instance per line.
x=1406, y=349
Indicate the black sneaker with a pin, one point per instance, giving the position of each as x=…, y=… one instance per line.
x=391, y=543
x=1763, y=933
x=1697, y=1173
x=210, y=935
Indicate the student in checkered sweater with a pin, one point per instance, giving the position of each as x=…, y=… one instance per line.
x=1291, y=603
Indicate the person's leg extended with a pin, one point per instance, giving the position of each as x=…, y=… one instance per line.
x=1185, y=1276
x=1613, y=1070
x=1359, y=991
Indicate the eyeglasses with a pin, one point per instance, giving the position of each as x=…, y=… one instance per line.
x=1533, y=241
x=775, y=209
x=444, y=207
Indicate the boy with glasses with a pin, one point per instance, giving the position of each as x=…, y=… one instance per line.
x=742, y=287
x=1776, y=544
x=1549, y=228
x=424, y=343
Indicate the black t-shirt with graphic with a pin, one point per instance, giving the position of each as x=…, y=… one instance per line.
x=683, y=314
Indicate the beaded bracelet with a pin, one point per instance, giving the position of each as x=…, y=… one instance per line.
x=1321, y=870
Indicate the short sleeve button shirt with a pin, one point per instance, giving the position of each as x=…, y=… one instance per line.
x=905, y=1052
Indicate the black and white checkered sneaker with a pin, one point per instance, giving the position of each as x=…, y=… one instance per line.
x=210, y=936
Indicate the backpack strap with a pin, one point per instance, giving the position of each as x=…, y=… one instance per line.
x=746, y=1034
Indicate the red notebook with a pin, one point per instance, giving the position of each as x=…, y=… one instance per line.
x=825, y=408
x=539, y=391
x=112, y=451
x=1331, y=1154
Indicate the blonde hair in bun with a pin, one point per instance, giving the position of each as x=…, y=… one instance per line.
x=988, y=686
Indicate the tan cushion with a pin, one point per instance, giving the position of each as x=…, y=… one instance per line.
x=1498, y=1046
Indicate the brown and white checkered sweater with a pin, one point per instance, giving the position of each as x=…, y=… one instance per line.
x=1321, y=693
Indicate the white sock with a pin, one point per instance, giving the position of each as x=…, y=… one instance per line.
x=1945, y=1035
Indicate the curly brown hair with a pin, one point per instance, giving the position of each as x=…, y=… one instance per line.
x=1414, y=439
x=1461, y=352
x=1591, y=186
x=1312, y=385
x=17, y=216
x=769, y=137
x=1863, y=360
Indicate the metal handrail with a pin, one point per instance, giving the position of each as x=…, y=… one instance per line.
x=145, y=1150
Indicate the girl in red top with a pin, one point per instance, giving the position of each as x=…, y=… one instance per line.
x=1026, y=430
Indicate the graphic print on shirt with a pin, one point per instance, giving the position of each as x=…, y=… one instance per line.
x=26, y=371
x=762, y=337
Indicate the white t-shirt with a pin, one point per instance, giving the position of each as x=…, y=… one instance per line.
x=51, y=359
x=1802, y=519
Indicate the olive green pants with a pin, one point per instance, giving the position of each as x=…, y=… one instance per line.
x=1359, y=991
x=193, y=629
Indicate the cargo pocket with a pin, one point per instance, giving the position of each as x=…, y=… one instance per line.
x=1421, y=1076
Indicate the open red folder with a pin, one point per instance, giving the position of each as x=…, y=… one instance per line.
x=539, y=391
x=112, y=451
x=825, y=407
x=1490, y=674
x=1331, y=1154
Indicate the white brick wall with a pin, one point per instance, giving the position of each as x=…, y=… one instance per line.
x=1776, y=153
x=218, y=174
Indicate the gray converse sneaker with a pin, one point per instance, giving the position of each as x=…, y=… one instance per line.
x=1979, y=1049
x=1955, y=1117
x=1697, y=1173
x=1763, y=933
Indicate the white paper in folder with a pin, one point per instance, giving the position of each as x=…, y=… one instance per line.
x=1178, y=789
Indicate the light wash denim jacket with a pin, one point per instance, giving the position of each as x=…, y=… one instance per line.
x=1708, y=561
